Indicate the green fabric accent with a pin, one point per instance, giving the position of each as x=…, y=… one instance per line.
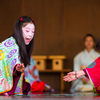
x=9, y=57
x=94, y=90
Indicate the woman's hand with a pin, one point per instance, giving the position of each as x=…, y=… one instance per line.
x=73, y=76
x=20, y=67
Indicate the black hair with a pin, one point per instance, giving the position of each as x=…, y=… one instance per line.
x=89, y=35
x=25, y=51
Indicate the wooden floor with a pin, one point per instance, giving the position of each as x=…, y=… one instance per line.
x=48, y=96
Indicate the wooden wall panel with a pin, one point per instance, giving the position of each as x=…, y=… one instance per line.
x=60, y=24
x=10, y=10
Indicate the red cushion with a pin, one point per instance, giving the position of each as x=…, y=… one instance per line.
x=38, y=86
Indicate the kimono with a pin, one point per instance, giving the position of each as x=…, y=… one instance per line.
x=31, y=72
x=32, y=76
x=10, y=81
x=93, y=73
x=83, y=58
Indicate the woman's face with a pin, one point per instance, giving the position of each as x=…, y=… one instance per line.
x=89, y=42
x=28, y=33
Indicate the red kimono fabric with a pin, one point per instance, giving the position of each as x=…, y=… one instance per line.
x=93, y=72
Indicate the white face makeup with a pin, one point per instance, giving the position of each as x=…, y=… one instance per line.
x=28, y=33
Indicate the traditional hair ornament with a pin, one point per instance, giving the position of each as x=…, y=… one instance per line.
x=34, y=22
x=21, y=19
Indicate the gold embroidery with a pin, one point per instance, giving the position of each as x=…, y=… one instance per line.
x=99, y=88
x=1, y=55
x=7, y=70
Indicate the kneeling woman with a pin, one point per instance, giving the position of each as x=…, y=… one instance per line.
x=92, y=72
x=15, y=54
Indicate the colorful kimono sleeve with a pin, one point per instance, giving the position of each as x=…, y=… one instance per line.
x=93, y=72
x=31, y=72
x=9, y=57
x=35, y=70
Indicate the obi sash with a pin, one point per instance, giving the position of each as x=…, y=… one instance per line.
x=9, y=57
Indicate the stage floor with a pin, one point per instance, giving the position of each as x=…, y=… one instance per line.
x=49, y=96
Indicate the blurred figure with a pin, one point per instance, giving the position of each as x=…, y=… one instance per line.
x=81, y=61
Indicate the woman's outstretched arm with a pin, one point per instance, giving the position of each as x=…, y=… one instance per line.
x=71, y=76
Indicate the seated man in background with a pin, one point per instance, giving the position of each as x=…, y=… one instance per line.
x=32, y=76
x=81, y=61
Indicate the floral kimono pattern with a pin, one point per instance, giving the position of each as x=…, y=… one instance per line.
x=9, y=57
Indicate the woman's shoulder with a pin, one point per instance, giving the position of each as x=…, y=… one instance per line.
x=9, y=42
x=79, y=54
x=8, y=39
x=96, y=53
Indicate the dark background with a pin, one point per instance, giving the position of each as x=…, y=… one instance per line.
x=60, y=26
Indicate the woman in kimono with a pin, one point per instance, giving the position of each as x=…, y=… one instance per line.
x=81, y=61
x=92, y=72
x=15, y=54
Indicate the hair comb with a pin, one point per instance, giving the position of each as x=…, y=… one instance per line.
x=21, y=19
